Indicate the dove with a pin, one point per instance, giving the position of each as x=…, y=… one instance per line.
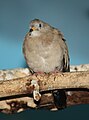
x=46, y=51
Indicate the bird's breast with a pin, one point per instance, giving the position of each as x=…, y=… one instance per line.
x=43, y=58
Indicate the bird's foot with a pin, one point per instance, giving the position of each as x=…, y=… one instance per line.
x=39, y=73
x=55, y=73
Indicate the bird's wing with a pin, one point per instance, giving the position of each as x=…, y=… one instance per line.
x=66, y=59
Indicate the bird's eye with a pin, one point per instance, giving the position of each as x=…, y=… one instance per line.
x=40, y=25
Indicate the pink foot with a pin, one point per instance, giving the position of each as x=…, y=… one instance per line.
x=55, y=72
x=39, y=73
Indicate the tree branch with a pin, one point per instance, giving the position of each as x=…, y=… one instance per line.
x=16, y=85
x=46, y=82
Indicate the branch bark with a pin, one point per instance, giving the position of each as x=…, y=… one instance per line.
x=14, y=84
x=46, y=82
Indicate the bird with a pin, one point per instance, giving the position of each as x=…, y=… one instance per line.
x=45, y=50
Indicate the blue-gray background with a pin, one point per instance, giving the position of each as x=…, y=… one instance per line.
x=70, y=16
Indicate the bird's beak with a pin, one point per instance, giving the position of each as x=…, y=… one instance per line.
x=32, y=29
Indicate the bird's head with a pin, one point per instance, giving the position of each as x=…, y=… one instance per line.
x=37, y=27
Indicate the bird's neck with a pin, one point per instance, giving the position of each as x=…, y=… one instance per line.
x=35, y=33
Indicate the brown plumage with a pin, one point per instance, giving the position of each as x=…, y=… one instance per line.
x=45, y=49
